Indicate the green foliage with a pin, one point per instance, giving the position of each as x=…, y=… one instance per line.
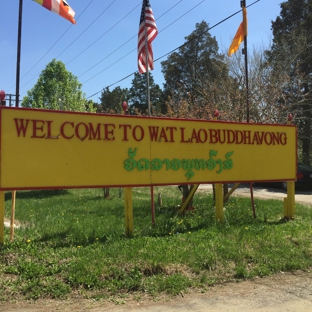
x=111, y=101
x=290, y=59
x=138, y=94
x=74, y=240
x=195, y=72
x=57, y=89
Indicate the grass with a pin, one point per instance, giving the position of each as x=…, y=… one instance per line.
x=73, y=241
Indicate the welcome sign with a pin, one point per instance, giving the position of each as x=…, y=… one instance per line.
x=57, y=149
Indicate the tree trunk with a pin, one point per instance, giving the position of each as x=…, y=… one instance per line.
x=185, y=191
x=306, y=140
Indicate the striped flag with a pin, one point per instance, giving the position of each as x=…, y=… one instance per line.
x=60, y=7
x=147, y=32
x=240, y=34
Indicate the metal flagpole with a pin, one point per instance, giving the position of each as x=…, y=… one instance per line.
x=243, y=4
x=149, y=108
x=147, y=70
x=18, y=61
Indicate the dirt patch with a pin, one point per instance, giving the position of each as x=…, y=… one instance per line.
x=281, y=292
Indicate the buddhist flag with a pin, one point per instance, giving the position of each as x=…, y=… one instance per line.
x=60, y=7
x=240, y=34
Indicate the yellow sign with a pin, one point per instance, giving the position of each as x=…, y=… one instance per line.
x=54, y=149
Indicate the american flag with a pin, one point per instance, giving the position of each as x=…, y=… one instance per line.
x=146, y=21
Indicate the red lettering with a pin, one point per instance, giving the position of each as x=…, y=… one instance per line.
x=163, y=135
x=94, y=134
x=213, y=136
x=276, y=138
x=239, y=137
x=171, y=132
x=37, y=127
x=135, y=133
x=247, y=137
x=153, y=131
x=231, y=140
x=267, y=140
x=20, y=126
x=125, y=131
x=194, y=136
x=182, y=136
x=108, y=132
x=86, y=131
x=62, y=130
x=219, y=137
x=283, y=138
x=202, y=139
x=256, y=138
x=260, y=138
x=49, y=122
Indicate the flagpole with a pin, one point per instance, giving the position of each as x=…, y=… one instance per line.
x=17, y=83
x=149, y=109
x=147, y=70
x=18, y=61
x=243, y=4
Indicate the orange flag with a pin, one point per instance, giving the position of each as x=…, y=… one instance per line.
x=60, y=7
x=240, y=34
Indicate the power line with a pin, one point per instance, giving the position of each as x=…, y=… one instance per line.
x=87, y=28
x=53, y=45
x=135, y=36
x=96, y=41
x=75, y=38
x=222, y=21
x=80, y=36
x=102, y=35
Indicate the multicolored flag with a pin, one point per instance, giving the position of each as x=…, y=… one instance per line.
x=147, y=33
x=60, y=7
x=240, y=34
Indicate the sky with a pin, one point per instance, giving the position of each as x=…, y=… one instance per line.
x=101, y=49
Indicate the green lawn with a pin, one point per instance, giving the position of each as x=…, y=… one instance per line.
x=73, y=241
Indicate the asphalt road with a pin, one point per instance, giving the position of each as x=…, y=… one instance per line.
x=264, y=192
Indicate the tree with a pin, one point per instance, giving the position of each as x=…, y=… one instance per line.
x=57, y=89
x=193, y=77
x=193, y=74
x=138, y=94
x=264, y=90
x=290, y=59
x=111, y=101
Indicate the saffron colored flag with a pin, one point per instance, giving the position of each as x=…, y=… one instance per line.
x=147, y=33
x=60, y=7
x=240, y=34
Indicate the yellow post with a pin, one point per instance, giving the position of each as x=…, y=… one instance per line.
x=128, y=192
x=219, y=202
x=218, y=187
x=12, y=216
x=128, y=211
x=289, y=202
x=1, y=217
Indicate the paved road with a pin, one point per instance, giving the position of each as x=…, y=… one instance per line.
x=264, y=192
